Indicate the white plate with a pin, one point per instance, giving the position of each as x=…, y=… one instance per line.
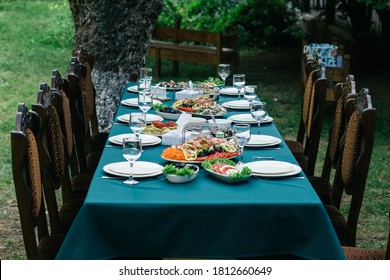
x=147, y=140
x=133, y=102
x=168, y=116
x=247, y=118
x=140, y=169
x=262, y=141
x=273, y=168
x=149, y=118
x=237, y=104
x=229, y=91
x=134, y=89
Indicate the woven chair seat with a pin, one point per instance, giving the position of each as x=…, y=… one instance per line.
x=339, y=222
x=295, y=146
x=355, y=253
x=68, y=211
x=49, y=246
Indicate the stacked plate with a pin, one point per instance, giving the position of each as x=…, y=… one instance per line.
x=149, y=118
x=134, y=89
x=133, y=102
x=147, y=140
x=262, y=141
x=247, y=118
x=140, y=169
x=237, y=104
x=273, y=168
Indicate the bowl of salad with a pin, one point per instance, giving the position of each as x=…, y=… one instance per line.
x=226, y=170
x=178, y=173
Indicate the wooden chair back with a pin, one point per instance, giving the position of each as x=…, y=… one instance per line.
x=51, y=145
x=337, y=127
x=354, y=160
x=27, y=179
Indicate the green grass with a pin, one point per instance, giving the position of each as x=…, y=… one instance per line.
x=36, y=38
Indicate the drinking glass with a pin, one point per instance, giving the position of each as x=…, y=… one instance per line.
x=145, y=80
x=145, y=102
x=131, y=151
x=258, y=112
x=250, y=93
x=239, y=83
x=242, y=134
x=137, y=123
x=224, y=72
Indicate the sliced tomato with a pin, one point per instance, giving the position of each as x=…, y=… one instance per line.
x=228, y=169
x=170, y=124
x=158, y=124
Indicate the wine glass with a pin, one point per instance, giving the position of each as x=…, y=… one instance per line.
x=242, y=134
x=239, y=82
x=258, y=112
x=250, y=93
x=145, y=102
x=137, y=123
x=131, y=151
x=145, y=80
x=224, y=72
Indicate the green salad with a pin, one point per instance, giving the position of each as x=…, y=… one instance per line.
x=180, y=171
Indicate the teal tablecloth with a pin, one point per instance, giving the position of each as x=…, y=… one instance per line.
x=205, y=218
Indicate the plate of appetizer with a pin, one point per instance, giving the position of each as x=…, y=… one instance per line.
x=201, y=148
x=201, y=105
x=226, y=170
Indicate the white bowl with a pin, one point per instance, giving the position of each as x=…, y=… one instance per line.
x=221, y=122
x=226, y=178
x=182, y=179
x=168, y=116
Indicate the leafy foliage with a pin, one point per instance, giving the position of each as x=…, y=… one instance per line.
x=260, y=22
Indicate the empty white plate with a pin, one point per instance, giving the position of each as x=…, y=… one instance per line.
x=149, y=118
x=133, y=102
x=262, y=141
x=147, y=140
x=140, y=169
x=273, y=168
x=237, y=104
x=247, y=118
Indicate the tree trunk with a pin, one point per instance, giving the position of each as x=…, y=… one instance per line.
x=117, y=33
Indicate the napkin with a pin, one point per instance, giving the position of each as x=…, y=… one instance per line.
x=175, y=137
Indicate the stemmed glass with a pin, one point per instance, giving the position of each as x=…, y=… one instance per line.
x=239, y=82
x=145, y=80
x=131, y=151
x=250, y=93
x=242, y=134
x=224, y=72
x=258, y=112
x=137, y=124
x=145, y=101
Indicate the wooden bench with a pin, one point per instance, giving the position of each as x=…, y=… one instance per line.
x=206, y=47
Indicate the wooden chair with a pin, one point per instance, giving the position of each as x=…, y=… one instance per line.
x=356, y=253
x=89, y=146
x=38, y=242
x=79, y=181
x=321, y=184
x=305, y=148
x=54, y=163
x=352, y=167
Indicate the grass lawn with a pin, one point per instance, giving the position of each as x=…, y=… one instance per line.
x=36, y=38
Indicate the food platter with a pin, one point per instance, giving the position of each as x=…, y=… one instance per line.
x=191, y=161
x=227, y=179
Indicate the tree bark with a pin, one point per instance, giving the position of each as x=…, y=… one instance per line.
x=117, y=33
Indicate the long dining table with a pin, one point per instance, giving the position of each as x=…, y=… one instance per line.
x=205, y=218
